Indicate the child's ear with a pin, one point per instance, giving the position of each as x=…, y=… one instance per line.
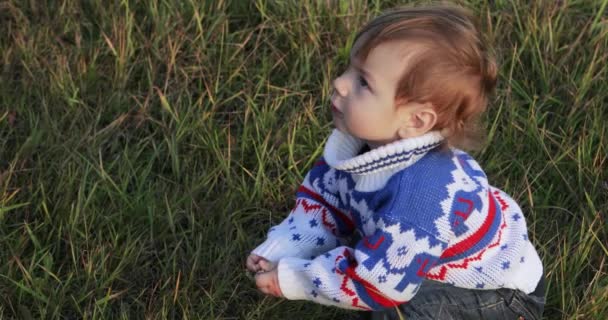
x=417, y=119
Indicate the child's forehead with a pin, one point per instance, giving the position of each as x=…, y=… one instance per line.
x=387, y=62
x=401, y=48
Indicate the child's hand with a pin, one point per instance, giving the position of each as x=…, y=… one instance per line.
x=253, y=263
x=268, y=282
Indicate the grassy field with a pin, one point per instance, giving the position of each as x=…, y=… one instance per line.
x=147, y=146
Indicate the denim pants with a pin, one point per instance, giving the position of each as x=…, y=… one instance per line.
x=436, y=300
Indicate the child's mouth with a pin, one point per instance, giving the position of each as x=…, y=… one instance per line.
x=334, y=109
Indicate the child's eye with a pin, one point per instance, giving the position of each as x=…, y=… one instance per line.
x=363, y=82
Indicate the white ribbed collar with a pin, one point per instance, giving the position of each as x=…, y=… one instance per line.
x=342, y=152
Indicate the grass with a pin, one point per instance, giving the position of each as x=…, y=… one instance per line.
x=146, y=147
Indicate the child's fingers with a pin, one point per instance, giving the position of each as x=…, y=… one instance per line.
x=266, y=265
x=263, y=265
x=253, y=263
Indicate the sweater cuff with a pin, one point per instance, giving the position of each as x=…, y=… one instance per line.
x=292, y=281
x=273, y=250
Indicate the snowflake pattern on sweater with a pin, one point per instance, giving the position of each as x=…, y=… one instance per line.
x=420, y=213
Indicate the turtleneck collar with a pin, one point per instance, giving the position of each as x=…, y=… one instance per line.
x=342, y=153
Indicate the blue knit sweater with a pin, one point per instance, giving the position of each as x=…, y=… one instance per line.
x=420, y=212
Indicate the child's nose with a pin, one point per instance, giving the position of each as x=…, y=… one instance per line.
x=341, y=86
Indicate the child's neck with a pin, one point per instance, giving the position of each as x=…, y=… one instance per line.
x=371, y=146
x=364, y=149
x=367, y=147
x=375, y=144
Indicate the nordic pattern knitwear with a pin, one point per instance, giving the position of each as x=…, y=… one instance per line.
x=420, y=212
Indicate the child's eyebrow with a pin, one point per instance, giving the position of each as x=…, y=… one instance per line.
x=356, y=63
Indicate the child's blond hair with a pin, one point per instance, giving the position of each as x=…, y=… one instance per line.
x=453, y=70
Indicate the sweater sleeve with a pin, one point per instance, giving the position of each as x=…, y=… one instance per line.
x=383, y=270
x=315, y=225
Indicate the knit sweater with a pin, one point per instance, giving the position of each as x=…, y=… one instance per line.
x=420, y=212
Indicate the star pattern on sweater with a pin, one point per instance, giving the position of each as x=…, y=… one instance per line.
x=317, y=282
x=320, y=241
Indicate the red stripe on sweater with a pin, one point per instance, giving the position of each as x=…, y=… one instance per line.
x=349, y=223
x=465, y=264
x=373, y=292
x=473, y=239
x=370, y=289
